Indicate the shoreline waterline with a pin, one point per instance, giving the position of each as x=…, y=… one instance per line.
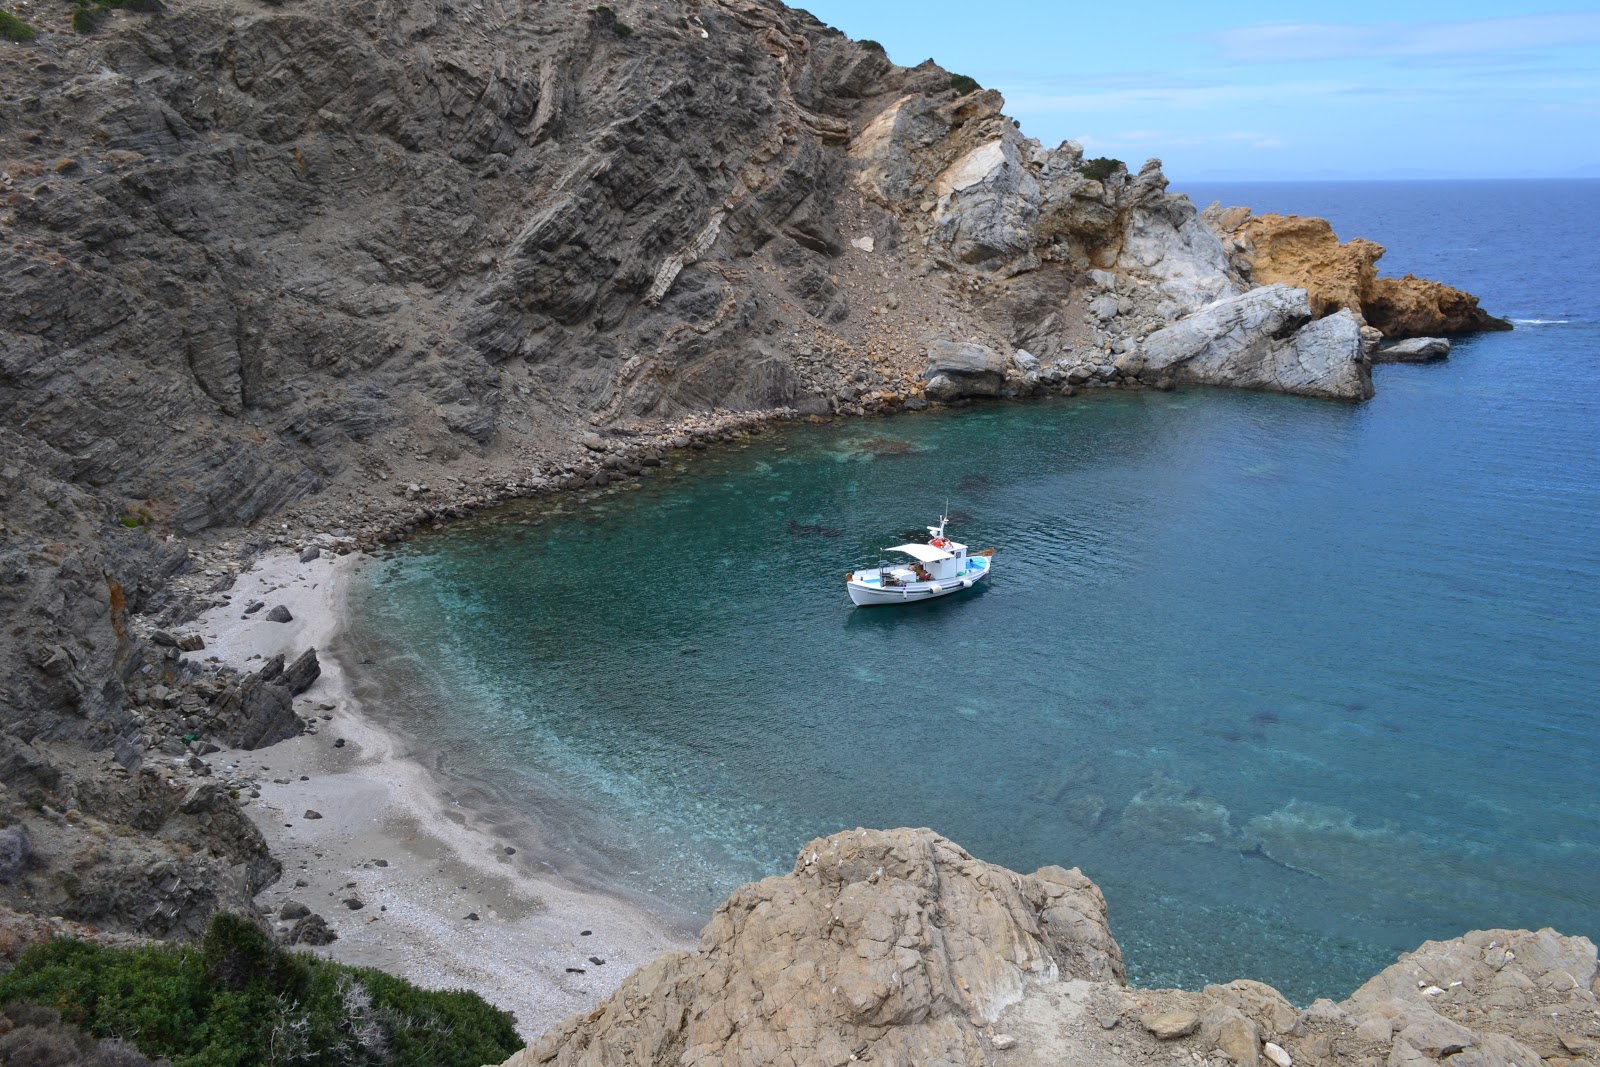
x=392, y=833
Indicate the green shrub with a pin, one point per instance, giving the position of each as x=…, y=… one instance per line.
x=238, y=1000
x=607, y=19
x=873, y=46
x=1102, y=168
x=88, y=19
x=14, y=29
x=90, y=13
x=963, y=84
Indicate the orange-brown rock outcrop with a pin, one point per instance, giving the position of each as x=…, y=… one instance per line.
x=1305, y=253
x=897, y=948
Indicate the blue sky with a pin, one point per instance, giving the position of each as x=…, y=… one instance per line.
x=1252, y=90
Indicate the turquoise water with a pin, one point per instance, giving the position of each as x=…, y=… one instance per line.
x=1299, y=684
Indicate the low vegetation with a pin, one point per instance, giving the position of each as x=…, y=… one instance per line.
x=90, y=13
x=963, y=84
x=1102, y=168
x=873, y=46
x=608, y=20
x=238, y=1000
x=14, y=29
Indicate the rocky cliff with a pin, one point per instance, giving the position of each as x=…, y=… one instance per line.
x=1304, y=253
x=269, y=270
x=898, y=948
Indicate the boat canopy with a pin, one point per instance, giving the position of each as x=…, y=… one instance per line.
x=922, y=553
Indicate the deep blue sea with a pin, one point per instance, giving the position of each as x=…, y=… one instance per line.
x=1300, y=684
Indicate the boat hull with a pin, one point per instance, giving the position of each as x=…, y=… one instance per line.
x=869, y=594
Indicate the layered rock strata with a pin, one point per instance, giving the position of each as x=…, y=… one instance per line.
x=898, y=948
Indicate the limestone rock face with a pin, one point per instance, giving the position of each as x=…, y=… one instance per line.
x=1265, y=339
x=898, y=948
x=898, y=941
x=1304, y=253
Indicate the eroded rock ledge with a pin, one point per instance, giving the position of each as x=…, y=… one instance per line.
x=1304, y=252
x=898, y=948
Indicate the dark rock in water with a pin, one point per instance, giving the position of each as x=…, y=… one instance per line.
x=293, y=909
x=797, y=529
x=279, y=614
x=312, y=930
x=1413, y=350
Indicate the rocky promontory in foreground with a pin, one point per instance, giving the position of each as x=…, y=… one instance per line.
x=897, y=948
x=312, y=274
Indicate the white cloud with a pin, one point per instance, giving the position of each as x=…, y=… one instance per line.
x=1292, y=42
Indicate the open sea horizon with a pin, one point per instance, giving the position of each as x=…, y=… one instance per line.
x=1299, y=684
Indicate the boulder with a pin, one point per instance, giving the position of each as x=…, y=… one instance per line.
x=1413, y=350
x=1264, y=339
x=279, y=613
x=15, y=849
x=960, y=369
x=1171, y=1025
x=258, y=710
x=312, y=930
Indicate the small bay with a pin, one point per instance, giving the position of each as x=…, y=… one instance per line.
x=1299, y=684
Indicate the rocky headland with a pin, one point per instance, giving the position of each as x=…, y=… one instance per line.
x=304, y=277
x=899, y=948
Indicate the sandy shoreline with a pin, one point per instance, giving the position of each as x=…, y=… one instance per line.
x=392, y=837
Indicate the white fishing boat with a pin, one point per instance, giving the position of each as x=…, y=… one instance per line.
x=938, y=568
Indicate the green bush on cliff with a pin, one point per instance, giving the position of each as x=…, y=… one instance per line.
x=14, y=29
x=90, y=13
x=1102, y=168
x=873, y=46
x=963, y=84
x=237, y=999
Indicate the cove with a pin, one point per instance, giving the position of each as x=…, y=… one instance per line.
x=1299, y=684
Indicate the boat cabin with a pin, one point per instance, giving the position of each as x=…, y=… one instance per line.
x=936, y=562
